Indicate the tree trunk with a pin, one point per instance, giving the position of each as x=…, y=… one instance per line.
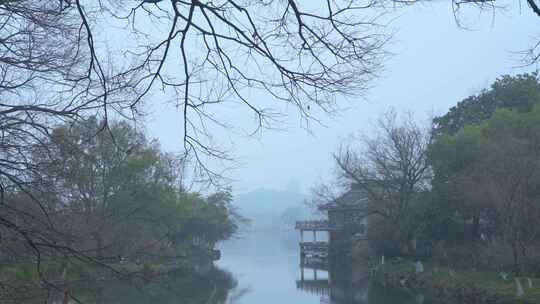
x=475, y=229
x=515, y=254
x=99, y=245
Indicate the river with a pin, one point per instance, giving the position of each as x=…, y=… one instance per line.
x=266, y=268
x=255, y=268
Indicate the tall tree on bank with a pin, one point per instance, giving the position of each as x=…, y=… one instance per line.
x=392, y=168
x=495, y=167
x=119, y=189
x=517, y=93
x=104, y=177
x=109, y=195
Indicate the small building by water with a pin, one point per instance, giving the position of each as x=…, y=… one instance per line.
x=345, y=226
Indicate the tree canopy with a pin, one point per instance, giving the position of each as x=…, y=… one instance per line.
x=492, y=171
x=102, y=196
x=518, y=93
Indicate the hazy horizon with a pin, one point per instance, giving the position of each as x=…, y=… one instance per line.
x=449, y=63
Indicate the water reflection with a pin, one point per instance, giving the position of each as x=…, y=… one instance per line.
x=207, y=286
x=259, y=269
x=318, y=282
x=268, y=269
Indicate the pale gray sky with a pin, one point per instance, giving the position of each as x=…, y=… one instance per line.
x=435, y=64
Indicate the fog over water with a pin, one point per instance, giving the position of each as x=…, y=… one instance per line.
x=264, y=258
x=266, y=268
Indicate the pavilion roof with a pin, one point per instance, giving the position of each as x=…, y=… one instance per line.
x=353, y=199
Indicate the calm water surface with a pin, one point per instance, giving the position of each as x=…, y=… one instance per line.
x=259, y=268
x=266, y=267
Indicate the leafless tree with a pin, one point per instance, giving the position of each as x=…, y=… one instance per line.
x=391, y=166
x=324, y=193
x=208, y=56
x=111, y=55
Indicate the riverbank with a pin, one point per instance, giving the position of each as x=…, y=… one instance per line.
x=444, y=285
x=115, y=283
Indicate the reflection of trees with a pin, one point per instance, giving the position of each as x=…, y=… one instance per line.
x=179, y=286
x=334, y=292
x=343, y=286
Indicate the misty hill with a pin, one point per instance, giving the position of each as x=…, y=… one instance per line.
x=270, y=209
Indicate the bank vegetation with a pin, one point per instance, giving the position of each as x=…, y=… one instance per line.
x=462, y=192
